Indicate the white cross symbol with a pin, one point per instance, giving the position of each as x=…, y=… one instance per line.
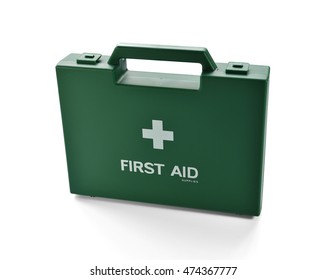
x=158, y=135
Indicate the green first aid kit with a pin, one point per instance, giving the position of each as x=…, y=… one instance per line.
x=181, y=140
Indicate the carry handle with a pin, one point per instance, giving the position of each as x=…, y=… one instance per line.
x=168, y=53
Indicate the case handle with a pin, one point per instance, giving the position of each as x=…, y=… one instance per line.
x=168, y=53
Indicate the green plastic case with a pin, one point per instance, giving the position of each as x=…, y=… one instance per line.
x=182, y=140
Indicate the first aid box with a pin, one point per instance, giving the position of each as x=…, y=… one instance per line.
x=172, y=139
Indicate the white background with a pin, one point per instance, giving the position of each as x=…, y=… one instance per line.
x=48, y=233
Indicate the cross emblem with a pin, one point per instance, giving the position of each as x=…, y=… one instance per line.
x=157, y=134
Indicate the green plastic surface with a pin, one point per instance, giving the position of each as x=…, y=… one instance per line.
x=213, y=125
x=169, y=53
